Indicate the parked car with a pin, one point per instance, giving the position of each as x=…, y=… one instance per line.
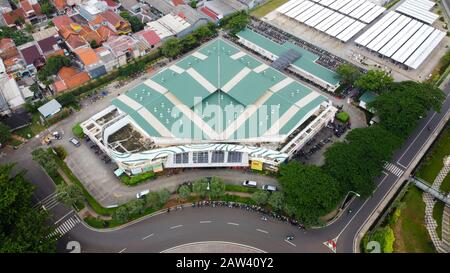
x=269, y=188
x=248, y=183
x=142, y=194
x=75, y=142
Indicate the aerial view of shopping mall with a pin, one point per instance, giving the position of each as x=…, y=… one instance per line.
x=224, y=126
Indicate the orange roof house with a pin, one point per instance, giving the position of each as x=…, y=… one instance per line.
x=114, y=21
x=70, y=77
x=12, y=16
x=60, y=4
x=87, y=56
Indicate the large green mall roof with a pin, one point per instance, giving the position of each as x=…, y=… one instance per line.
x=306, y=62
x=221, y=93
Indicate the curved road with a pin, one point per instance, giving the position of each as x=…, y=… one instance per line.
x=158, y=233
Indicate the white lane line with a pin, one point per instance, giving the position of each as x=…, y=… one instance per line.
x=174, y=227
x=289, y=242
x=122, y=250
x=147, y=236
x=205, y=222
x=233, y=224
x=59, y=220
x=263, y=231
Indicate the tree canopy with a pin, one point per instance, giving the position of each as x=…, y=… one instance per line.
x=348, y=74
x=5, y=133
x=236, y=22
x=172, y=48
x=19, y=37
x=358, y=161
x=309, y=192
x=406, y=102
x=22, y=228
x=375, y=81
x=136, y=24
x=52, y=67
x=47, y=7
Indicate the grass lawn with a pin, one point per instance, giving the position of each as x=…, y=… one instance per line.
x=411, y=236
x=239, y=188
x=434, y=160
x=33, y=129
x=261, y=11
x=438, y=210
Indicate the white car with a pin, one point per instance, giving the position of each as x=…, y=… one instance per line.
x=249, y=183
x=142, y=193
x=269, y=188
x=75, y=142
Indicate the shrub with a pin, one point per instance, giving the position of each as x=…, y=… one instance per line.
x=77, y=130
x=61, y=152
x=343, y=116
x=134, y=180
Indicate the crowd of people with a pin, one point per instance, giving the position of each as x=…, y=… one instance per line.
x=277, y=35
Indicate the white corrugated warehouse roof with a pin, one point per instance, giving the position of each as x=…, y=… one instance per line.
x=401, y=38
x=418, y=10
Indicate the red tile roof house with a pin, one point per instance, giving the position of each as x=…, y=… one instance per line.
x=75, y=35
x=32, y=11
x=61, y=6
x=149, y=37
x=112, y=20
x=112, y=5
x=13, y=61
x=11, y=17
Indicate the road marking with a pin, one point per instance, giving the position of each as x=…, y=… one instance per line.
x=59, y=220
x=147, y=236
x=393, y=169
x=263, y=231
x=233, y=224
x=205, y=222
x=289, y=242
x=174, y=227
x=122, y=250
x=362, y=206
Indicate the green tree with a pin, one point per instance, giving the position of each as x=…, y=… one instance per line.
x=121, y=214
x=47, y=8
x=69, y=194
x=348, y=74
x=193, y=4
x=5, y=133
x=22, y=228
x=375, y=81
x=184, y=192
x=152, y=200
x=406, y=102
x=46, y=160
x=202, y=33
x=200, y=187
x=217, y=187
x=135, y=207
x=19, y=37
x=171, y=48
x=260, y=197
x=358, y=161
x=188, y=42
x=29, y=28
x=136, y=24
x=309, y=191
x=236, y=22
x=94, y=44
x=163, y=195
x=52, y=67
x=276, y=200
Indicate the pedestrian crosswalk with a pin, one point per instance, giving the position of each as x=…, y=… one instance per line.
x=65, y=227
x=48, y=202
x=393, y=169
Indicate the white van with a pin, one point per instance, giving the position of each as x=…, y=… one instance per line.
x=269, y=188
x=248, y=183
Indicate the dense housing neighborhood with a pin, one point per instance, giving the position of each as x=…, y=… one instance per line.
x=252, y=126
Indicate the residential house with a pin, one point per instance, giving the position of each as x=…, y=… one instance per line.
x=10, y=18
x=75, y=35
x=91, y=8
x=91, y=62
x=69, y=78
x=107, y=58
x=50, y=47
x=61, y=6
x=11, y=97
x=124, y=48
x=113, y=21
x=113, y=5
x=32, y=11
x=132, y=6
x=149, y=38
x=32, y=57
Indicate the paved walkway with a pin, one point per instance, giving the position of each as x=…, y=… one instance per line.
x=430, y=223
